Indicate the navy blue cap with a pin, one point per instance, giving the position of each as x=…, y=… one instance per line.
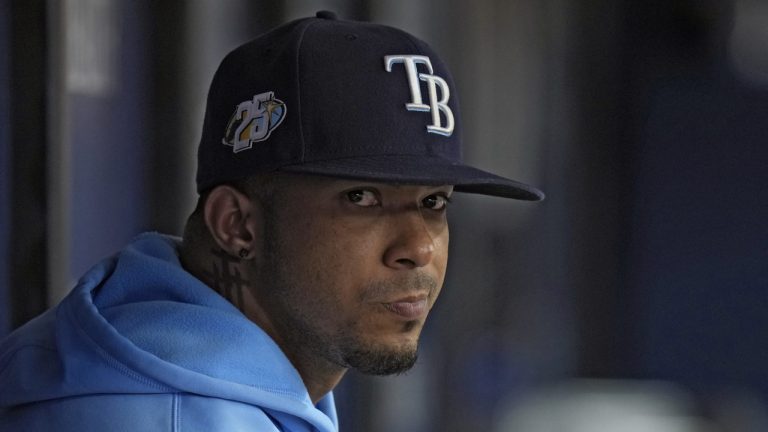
x=339, y=98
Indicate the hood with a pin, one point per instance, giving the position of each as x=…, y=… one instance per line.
x=137, y=323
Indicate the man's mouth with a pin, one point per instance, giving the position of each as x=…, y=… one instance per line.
x=410, y=308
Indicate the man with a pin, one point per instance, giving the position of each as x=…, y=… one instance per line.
x=330, y=150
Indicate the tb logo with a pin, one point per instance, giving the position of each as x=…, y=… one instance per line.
x=253, y=121
x=436, y=106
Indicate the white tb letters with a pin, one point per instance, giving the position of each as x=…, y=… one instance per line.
x=436, y=106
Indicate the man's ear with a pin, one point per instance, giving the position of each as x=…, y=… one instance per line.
x=232, y=219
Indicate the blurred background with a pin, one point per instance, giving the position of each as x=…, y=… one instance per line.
x=635, y=298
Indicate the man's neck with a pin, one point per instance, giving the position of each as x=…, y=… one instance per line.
x=320, y=376
x=228, y=277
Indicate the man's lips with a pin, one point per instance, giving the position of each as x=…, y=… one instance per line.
x=411, y=308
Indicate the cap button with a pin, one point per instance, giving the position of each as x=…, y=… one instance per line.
x=327, y=15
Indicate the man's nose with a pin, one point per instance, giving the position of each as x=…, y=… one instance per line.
x=411, y=245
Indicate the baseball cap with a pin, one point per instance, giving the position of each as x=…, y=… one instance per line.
x=340, y=98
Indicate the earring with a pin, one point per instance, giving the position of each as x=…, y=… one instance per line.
x=244, y=253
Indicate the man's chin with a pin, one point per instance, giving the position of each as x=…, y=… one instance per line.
x=381, y=361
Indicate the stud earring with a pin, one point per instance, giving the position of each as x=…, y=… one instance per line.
x=244, y=253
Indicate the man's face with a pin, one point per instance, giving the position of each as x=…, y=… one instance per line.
x=351, y=269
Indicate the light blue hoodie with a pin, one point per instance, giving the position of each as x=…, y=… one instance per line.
x=142, y=345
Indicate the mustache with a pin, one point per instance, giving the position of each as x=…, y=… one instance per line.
x=416, y=283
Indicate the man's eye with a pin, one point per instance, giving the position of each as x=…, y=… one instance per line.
x=435, y=202
x=363, y=198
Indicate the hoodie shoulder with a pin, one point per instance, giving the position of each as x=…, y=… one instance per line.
x=140, y=341
x=130, y=413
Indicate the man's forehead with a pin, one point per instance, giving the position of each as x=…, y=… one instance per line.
x=305, y=180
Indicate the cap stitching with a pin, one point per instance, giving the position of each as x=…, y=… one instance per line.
x=298, y=89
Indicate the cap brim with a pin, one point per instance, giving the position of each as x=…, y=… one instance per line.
x=422, y=170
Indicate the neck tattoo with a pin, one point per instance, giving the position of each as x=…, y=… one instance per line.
x=225, y=277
